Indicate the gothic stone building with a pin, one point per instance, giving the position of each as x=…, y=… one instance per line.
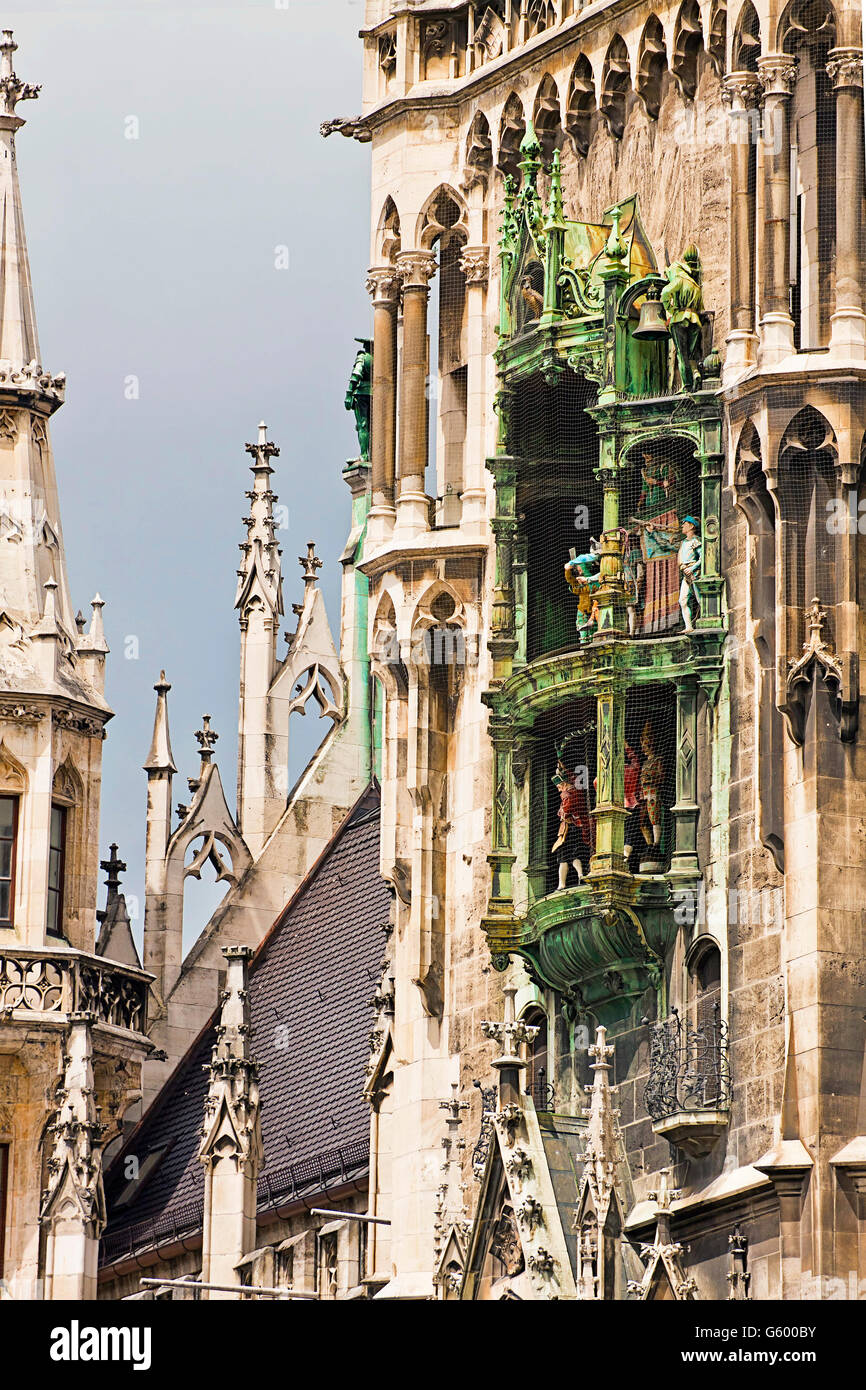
x=596, y=689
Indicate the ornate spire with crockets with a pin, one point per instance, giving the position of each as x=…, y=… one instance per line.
x=12, y=89
x=29, y=508
x=259, y=577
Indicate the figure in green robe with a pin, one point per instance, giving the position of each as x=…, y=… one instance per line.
x=359, y=395
x=683, y=302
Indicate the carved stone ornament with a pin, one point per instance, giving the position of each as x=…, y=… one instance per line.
x=436, y=37
x=505, y=1245
x=490, y=33
x=742, y=90
x=542, y=1263
x=518, y=1165
x=416, y=268
x=777, y=75
x=21, y=714
x=507, y=1121
x=383, y=284
x=845, y=68
x=817, y=656
x=530, y=1213
x=475, y=264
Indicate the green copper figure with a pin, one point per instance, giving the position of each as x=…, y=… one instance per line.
x=359, y=395
x=683, y=302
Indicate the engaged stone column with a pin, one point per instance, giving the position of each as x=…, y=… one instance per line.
x=777, y=73
x=742, y=93
x=416, y=269
x=383, y=284
x=475, y=264
x=848, y=331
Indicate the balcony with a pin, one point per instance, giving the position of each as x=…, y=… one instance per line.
x=43, y=987
x=688, y=1095
x=601, y=944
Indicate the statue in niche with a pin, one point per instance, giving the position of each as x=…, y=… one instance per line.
x=688, y=548
x=683, y=303
x=583, y=575
x=652, y=781
x=632, y=576
x=657, y=519
x=632, y=798
x=359, y=395
x=532, y=298
x=576, y=822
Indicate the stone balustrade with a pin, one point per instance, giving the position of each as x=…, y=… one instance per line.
x=49, y=985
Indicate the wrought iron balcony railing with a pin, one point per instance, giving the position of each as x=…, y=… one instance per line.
x=56, y=983
x=690, y=1070
x=542, y=1092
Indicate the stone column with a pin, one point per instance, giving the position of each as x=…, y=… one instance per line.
x=413, y=510
x=231, y=1146
x=73, y=1207
x=383, y=284
x=475, y=264
x=848, y=323
x=686, y=810
x=777, y=73
x=741, y=94
x=610, y=813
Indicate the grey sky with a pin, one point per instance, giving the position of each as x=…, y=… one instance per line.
x=155, y=257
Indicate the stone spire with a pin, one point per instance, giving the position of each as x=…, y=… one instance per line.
x=601, y=1151
x=28, y=397
x=598, y=1220
x=259, y=601
x=260, y=571
x=160, y=758
x=160, y=768
x=73, y=1207
x=19, y=343
x=231, y=1145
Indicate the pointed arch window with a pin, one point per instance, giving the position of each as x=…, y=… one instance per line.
x=8, y=838
x=4, y=1187
x=537, y=1078
x=56, y=869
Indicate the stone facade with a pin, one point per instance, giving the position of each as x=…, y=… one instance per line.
x=595, y=287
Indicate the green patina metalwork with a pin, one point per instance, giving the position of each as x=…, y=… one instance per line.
x=570, y=301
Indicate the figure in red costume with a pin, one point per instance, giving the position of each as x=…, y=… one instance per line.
x=632, y=792
x=576, y=824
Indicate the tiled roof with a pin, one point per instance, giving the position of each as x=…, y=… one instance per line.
x=310, y=986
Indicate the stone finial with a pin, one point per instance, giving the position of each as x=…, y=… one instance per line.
x=160, y=758
x=113, y=867
x=510, y=1033
x=310, y=563
x=12, y=89
x=206, y=739
x=739, y=1277
x=94, y=640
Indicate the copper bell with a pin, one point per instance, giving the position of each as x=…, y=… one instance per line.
x=652, y=324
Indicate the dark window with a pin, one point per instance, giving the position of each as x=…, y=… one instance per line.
x=56, y=870
x=537, y=1080
x=328, y=1265
x=4, y=1183
x=8, y=832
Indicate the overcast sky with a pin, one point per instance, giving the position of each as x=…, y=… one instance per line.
x=156, y=257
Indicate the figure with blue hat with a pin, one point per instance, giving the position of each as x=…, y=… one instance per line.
x=582, y=575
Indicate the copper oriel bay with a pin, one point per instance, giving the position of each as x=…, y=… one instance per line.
x=594, y=694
